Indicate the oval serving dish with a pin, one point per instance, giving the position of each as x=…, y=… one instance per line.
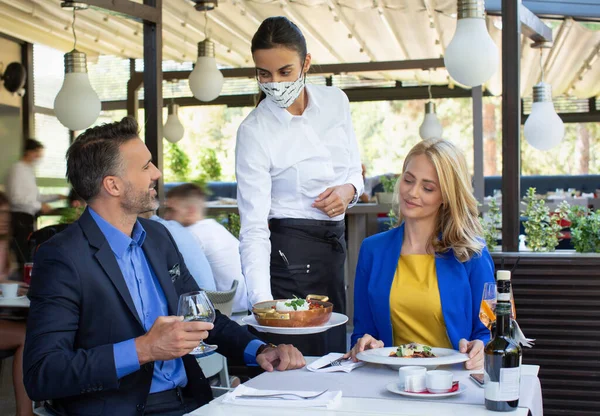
x=266, y=315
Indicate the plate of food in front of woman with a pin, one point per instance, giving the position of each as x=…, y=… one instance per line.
x=412, y=354
x=295, y=316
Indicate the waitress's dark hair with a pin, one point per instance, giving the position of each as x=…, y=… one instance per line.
x=275, y=32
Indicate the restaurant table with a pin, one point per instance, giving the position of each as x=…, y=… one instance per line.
x=364, y=392
x=14, y=308
x=18, y=302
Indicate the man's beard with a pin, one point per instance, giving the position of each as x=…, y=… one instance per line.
x=138, y=202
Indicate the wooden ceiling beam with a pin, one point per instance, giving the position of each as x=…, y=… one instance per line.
x=131, y=10
x=356, y=67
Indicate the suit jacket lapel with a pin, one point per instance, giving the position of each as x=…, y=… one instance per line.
x=158, y=262
x=107, y=260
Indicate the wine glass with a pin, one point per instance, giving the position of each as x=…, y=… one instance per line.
x=488, y=304
x=196, y=306
x=487, y=310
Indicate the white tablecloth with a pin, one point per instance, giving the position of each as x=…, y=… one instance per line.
x=20, y=302
x=369, y=382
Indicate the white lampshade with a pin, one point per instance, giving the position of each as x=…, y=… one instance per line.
x=471, y=57
x=206, y=81
x=431, y=126
x=543, y=129
x=173, y=129
x=76, y=105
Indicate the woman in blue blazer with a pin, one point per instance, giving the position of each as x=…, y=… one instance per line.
x=423, y=281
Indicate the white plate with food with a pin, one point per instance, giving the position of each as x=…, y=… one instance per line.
x=335, y=320
x=395, y=388
x=412, y=354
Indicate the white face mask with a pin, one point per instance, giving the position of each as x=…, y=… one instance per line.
x=283, y=94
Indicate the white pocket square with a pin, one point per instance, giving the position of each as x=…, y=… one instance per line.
x=174, y=272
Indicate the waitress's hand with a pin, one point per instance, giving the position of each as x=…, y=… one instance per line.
x=333, y=201
x=366, y=342
x=475, y=351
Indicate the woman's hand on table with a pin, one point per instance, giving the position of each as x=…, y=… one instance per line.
x=333, y=201
x=284, y=357
x=475, y=350
x=366, y=342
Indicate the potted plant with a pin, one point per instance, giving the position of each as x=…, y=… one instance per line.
x=542, y=230
x=585, y=229
x=387, y=196
x=231, y=222
x=491, y=221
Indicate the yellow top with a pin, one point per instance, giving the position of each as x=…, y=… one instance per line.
x=415, y=303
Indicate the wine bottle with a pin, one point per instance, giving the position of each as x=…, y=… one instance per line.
x=502, y=360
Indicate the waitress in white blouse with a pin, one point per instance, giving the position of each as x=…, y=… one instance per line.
x=298, y=169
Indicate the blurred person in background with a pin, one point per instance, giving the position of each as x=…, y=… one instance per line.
x=190, y=249
x=186, y=205
x=26, y=202
x=12, y=333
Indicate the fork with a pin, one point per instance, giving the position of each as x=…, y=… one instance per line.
x=334, y=363
x=280, y=396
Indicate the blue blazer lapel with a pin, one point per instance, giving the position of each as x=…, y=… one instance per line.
x=450, y=272
x=383, y=278
x=158, y=261
x=107, y=260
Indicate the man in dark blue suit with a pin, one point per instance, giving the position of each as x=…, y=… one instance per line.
x=102, y=338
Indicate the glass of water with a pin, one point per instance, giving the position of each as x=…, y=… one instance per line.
x=196, y=306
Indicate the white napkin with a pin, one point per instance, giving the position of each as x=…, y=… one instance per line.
x=328, y=400
x=346, y=365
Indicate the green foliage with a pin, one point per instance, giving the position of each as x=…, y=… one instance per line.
x=209, y=165
x=392, y=219
x=70, y=215
x=295, y=303
x=585, y=229
x=542, y=230
x=388, y=183
x=492, y=224
x=177, y=163
x=231, y=222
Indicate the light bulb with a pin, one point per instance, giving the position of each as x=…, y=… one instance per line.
x=543, y=129
x=471, y=57
x=431, y=126
x=173, y=129
x=206, y=81
x=76, y=105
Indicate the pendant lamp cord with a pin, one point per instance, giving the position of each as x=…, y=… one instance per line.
x=542, y=64
x=206, y=24
x=429, y=86
x=172, y=91
x=73, y=27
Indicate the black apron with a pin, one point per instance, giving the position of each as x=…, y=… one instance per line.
x=307, y=257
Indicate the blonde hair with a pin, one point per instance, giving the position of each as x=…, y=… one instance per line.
x=457, y=225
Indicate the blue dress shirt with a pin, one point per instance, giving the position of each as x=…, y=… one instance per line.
x=149, y=300
x=150, y=303
x=192, y=253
